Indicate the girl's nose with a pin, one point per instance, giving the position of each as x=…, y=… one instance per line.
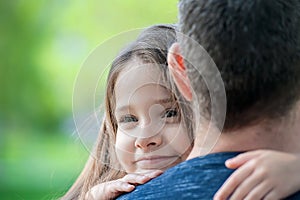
x=149, y=141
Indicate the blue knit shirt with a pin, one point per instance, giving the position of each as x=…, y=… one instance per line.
x=198, y=178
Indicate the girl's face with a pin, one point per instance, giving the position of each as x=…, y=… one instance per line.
x=150, y=133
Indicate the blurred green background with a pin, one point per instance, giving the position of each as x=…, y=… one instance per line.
x=43, y=44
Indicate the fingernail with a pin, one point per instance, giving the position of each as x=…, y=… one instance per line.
x=228, y=161
x=128, y=186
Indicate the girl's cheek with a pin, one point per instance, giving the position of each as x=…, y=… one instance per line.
x=125, y=151
x=181, y=140
x=124, y=142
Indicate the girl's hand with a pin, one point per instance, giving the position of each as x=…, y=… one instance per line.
x=261, y=174
x=112, y=189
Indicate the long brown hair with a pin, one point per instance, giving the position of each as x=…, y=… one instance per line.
x=150, y=47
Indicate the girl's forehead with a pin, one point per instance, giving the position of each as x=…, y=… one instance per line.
x=136, y=73
x=142, y=79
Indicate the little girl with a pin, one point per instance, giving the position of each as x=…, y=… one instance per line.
x=143, y=130
x=147, y=127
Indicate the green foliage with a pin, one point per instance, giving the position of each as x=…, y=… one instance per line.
x=37, y=167
x=26, y=97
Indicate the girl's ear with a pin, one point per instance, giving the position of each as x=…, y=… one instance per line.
x=178, y=71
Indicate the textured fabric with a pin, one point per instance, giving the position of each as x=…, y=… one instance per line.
x=198, y=178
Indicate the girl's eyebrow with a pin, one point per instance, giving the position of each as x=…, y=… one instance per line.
x=165, y=100
x=122, y=108
x=158, y=101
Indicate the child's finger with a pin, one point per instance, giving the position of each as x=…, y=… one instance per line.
x=260, y=191
x=141, y=178
x=246, y=186
x=233, y=181
x=241, y=159
x=120, y=186
x=154, y=173
x=271, y=195
x=110, y=190
x=135, y=178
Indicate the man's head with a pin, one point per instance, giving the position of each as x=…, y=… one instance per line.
x=256, y=47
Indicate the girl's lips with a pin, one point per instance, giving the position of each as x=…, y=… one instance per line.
x=155, y=162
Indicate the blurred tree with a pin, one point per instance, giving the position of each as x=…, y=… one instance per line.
x=25, y=97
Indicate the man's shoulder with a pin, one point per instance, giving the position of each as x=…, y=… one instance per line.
x=193, y=179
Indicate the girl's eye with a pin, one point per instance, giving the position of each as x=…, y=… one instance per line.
x=171, y=116
x=171, y=113
x=128, y=119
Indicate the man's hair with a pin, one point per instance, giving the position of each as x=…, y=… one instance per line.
x=256, y=46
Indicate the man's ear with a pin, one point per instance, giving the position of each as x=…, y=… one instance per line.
x=178, y=71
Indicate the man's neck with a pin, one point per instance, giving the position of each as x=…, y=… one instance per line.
x=281, y=135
